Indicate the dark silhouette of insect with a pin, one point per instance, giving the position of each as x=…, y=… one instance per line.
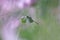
x=30, y=19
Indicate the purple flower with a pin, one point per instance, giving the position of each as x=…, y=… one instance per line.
x=8, y=6
x=18, y=3
x=9, y=30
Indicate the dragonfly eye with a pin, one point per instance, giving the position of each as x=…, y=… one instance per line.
x=23, y=19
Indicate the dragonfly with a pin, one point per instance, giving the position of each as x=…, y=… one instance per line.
x=24, y=19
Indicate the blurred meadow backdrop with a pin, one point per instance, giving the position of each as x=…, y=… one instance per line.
x=47, y=14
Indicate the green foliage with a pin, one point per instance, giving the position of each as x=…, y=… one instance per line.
x=48, y=28
x=30, y=32
x=45, y=5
